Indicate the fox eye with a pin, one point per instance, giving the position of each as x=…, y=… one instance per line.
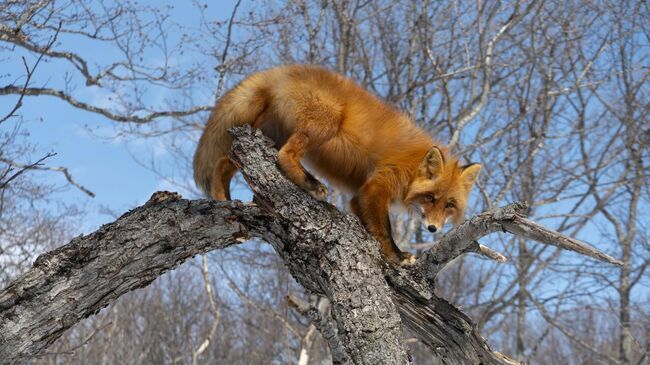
x=450, y=205
x=429, y=198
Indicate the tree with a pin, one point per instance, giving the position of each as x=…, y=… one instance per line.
x=329, y=253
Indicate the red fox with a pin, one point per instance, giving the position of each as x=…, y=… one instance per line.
x=347, y=135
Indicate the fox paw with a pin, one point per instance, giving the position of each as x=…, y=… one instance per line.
x=315, y=188
x=401, y=258
x=318, y=190
x=406, y=259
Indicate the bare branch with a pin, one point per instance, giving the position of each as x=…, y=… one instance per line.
x=38, y=91
x=467, y=115
x=38, y=166
x=505, y=219
x=23, y=168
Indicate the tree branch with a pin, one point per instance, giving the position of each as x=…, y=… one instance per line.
x=38, y=166
x=78, y=279
x=328, y=253
x=151, y=116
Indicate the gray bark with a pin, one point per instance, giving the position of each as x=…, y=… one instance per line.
x=328, y=252
x=91, y=272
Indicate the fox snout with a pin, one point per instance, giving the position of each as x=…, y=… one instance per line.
x=433, y=220
x=435, y=224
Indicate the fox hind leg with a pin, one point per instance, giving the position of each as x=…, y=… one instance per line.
x=317, y=121
x=221, y=176
x=228, y=172
x=354, y=206
x=289, y=159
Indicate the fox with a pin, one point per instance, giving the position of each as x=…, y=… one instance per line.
x=359, y=143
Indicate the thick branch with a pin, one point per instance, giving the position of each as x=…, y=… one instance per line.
x=91, y=272
x=328, y=252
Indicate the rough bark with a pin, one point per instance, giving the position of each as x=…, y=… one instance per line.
x=91, y=272
x=327, y=251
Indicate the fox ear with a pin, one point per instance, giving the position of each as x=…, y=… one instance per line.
x=470, y=173
x=432, y=163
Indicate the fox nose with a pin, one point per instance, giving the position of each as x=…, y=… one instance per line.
x=432, y=228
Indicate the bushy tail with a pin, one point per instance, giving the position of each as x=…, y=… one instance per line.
x=241, y=105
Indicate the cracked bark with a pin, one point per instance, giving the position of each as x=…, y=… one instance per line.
x=328, y=252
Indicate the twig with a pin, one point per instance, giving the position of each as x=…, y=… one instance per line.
x=475, y=247
x=37, y=91
x=37, y=166
x=488, y=252
x=30, y=73
x=222, y=68
x=572, y=337
x=23, y=168
x=467, y=115
x=83, y=343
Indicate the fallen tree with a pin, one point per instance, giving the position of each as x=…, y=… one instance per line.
x=328, y=252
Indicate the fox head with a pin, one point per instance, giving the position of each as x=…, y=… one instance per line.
x=440, y=189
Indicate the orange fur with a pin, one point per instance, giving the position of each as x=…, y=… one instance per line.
x=347, y=135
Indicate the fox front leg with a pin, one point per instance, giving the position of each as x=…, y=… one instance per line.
x=371, y=206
